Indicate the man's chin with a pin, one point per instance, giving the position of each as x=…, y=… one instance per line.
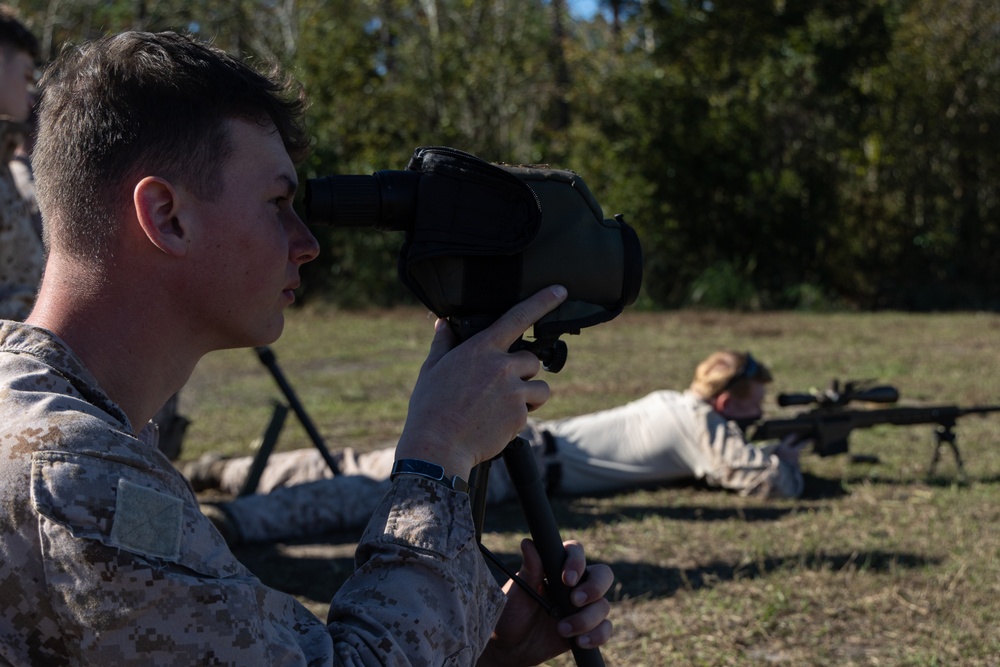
x=263, y=336
x=273, y=334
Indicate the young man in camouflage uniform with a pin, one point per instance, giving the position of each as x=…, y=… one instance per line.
x=165, y=178
x=22, y=256
x=664, y=437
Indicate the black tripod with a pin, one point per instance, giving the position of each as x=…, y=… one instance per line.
x=530, y=489
x=544, y=531
x=267, y=357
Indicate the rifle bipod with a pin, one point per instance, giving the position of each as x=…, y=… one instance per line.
x=270, y=438
x=544, y=531
x=945, y=434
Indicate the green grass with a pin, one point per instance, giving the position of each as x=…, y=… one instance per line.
x=878, y=565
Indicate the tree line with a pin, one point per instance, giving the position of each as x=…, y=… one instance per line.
x=770, y=154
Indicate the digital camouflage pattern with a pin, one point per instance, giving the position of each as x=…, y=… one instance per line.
x=22, y=255
x=107, y=559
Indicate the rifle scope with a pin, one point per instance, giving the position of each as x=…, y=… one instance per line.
x=880, y=394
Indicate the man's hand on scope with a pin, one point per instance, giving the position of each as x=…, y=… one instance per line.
x=527, y=635
x=472, y=398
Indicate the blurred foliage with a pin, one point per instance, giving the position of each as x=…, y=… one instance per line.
x=770, y=154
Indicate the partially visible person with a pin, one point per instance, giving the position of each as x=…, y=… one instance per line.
x=171, y=426
x=22, y=255
x=21, y=172
x=166, y=174
x=666, y=436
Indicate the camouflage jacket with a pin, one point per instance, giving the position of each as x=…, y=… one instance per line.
x=22, y=256
x=105, y=558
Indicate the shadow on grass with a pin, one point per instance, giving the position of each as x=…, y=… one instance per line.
x=582, y=512
x=822, y=488
x=635, y=580
x=621, y=513
x=648, y=581
x=318, y=578
x=939, y=481
x=316, y=570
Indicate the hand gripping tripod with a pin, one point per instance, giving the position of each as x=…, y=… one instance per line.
x=530, y=489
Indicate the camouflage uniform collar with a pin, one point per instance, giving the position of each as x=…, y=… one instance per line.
x=19, y=338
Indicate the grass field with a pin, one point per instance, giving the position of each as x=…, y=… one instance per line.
x=877, y=565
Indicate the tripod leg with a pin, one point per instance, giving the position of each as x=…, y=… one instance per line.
x=527, y=482
x=268, y=358
x=267, y=444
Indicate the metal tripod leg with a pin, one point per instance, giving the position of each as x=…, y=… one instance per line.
x=544, y=531
x=527, y=483
x=267, y=444
x=267, y=357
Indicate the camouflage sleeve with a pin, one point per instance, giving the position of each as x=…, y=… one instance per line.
x=133, y=571
x=419, y=568
x=745, y=468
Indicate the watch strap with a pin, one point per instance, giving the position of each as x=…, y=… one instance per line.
x=431, y=471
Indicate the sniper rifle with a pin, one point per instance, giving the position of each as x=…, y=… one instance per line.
x=829, y=424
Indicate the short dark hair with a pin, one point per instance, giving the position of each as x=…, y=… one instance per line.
x=134, y=104
x=14, y=34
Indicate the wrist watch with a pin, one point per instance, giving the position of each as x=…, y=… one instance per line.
x=429, y=470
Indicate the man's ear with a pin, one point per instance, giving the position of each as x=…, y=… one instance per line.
x=721, y=402
x=157, y=207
